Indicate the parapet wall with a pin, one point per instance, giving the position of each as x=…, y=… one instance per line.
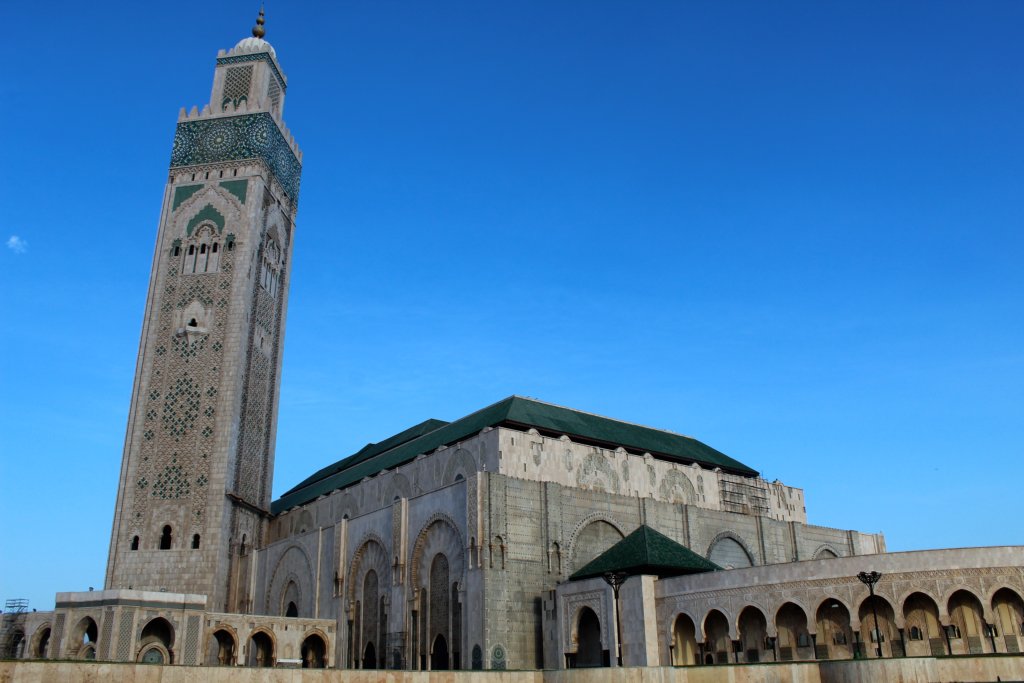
x=910, y=670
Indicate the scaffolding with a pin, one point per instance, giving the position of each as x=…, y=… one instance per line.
x=12, y=633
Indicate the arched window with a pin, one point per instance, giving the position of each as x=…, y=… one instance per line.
x=135, y=542
x=165, y=539
x=195, y=541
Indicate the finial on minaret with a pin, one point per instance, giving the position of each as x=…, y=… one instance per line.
x=258, y=31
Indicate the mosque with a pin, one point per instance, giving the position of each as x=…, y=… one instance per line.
x=524, y=535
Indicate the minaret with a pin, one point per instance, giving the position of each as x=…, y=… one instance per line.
x=195, y=483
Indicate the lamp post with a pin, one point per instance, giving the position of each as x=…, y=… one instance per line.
x=870, y=579
x=615, y=580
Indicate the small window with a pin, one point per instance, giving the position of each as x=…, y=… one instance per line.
x=193, y=323
x=165, y=539
x=839, y=638
x=177, y=251
x=231, y=245
x=241, y=549
x=876, y=636
x=195, y=541
x=953, y=631
x=191, y=249
x=915, y=633
x=135, y=543
x=202, y=248
x=214, y=248
x=803, y=640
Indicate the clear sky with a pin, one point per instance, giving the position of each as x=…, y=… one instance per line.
x=790, y=230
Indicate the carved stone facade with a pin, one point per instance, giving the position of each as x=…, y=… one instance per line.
x=199, y=453
x=928, y=603
x=512, y=513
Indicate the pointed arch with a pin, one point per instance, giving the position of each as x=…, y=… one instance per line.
x=593, y=535
x=730, y=551
x=293, y=567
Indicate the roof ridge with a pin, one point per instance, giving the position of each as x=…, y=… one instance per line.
x=603, y=417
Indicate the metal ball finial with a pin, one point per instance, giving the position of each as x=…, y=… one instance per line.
x=258, y=31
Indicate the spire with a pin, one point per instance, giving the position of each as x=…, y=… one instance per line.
x=258, y=31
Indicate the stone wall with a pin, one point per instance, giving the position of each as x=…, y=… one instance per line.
x=914, y=670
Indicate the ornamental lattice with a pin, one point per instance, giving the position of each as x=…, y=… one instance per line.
x=233, y=138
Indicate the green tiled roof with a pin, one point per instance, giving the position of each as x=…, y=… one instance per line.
x=645, y=551
x=514, y=411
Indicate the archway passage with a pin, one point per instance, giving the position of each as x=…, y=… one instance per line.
x=886, y=633
x=794, y=640
x=588, y=640
x=220, y=650
x=966, y=617
x=684, y=642
x=753, y=628
x=1009, y=617
x=40, y=644
x=261, y=650
x=439, y=654
x=835, y=636
x=922, y=627
x=157, y=642
x=369, y=656
x=83, y=639
x=314, y=652
x=716, y=638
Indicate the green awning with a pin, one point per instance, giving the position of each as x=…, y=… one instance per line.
x=646, y=551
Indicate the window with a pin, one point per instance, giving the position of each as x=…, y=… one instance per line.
x=195, y=541
x=876, y=636
x=191, y=249
x=214, y=247
x=177, y=251
x=165, y=539
x=135, y=543
x=839, y=638
x=915, y=633
x=953, y=632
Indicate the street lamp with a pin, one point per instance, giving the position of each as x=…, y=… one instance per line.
x=615, y=580
x=870, y=579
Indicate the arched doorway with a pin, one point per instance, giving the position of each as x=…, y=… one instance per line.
x=684, y=642
x=588, y=640
x=369, y=656
x=1009, y=617
x=794, y=639
x=220, y=649
x=966, y=618
x=156, y=642
x=887, y=632
x=753, y=627
x=261, y=650
x=835, y=636
x=439, y=612
x=83, y=639
x=716, y=638
x=314, y=652
x=439, y=654
x=922, y=627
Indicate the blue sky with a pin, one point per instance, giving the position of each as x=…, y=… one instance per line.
x=791, y=230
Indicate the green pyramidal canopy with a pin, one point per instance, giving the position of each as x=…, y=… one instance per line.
x=515, y=412
x=645, y=551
